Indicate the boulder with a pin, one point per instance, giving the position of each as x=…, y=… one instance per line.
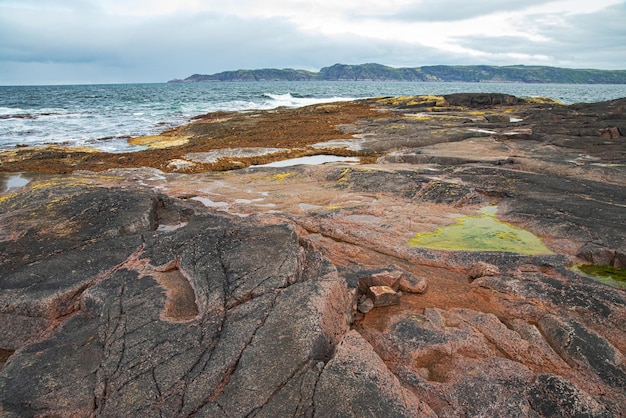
x=389, y=278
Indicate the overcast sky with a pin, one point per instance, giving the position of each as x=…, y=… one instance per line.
x=105, y=41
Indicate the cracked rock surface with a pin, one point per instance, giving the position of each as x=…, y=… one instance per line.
x=268, y=314
x=135, y=292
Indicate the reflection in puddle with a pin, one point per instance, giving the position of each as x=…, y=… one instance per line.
x=16, y=181
x=312, y=160
x=209, y=203
x=481, y=233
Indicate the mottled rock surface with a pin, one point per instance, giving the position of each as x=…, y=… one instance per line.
x=119, y=339
x=137, y=292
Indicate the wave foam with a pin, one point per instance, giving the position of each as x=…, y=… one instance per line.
x=288, y=100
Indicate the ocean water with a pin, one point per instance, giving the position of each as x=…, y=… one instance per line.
x=106, y=116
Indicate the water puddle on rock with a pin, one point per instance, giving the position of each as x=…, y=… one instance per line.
x=210, y=203
x=608, y=275
x=481, y=233
x=16, y=182
x=311, y=160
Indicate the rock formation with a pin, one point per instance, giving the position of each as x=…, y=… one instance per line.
x=138, y=291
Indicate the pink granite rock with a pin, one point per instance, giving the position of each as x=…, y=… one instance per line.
x=383, y=296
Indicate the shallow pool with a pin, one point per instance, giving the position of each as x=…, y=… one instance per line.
x=481, y=233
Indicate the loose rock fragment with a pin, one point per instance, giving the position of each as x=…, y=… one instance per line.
x=385, y=278
x=383, y=296
x=366, y=305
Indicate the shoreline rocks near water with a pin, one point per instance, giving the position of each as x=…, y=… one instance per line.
x=131, y=288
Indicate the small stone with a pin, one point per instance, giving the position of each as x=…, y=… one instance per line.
x=482, y=269
x=410, y=283
x=366, y=306
x=383, y=296
x=385, y=278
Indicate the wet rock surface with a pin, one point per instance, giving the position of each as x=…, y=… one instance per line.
x=293, y=291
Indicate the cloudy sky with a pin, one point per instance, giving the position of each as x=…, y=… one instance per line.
x=105, y=41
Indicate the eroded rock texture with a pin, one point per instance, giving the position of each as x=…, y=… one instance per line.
x=141, y=293
x=264, y=319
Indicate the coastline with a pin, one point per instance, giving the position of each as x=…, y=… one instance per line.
x=191, y=270
x=105, y=116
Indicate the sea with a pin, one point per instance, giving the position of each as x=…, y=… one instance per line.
x=106, y=116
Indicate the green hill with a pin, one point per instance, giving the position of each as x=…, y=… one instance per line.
x=464, y=73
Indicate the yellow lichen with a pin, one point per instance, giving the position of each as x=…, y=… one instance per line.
x=413, y=100
x=52, y=203
x=280, y=176
x=7, y=197
x=59, y=183
x=159, y=141
x=542, y=100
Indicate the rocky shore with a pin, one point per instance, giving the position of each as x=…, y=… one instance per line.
x=192, y=279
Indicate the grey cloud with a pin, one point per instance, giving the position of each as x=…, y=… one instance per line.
x=598, y=30
x=158, y=49
x=90, y=47
x=451, y=10
x=595, y=40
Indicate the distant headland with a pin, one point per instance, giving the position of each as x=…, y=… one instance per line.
x=435, y=73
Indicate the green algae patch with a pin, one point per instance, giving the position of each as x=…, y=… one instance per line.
x=609, y=275
x=481, y=233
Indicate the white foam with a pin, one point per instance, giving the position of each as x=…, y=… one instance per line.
x=287, y=100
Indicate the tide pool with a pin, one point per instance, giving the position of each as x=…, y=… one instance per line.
x=481, y=233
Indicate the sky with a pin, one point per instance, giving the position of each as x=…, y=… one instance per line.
x=129, y=41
